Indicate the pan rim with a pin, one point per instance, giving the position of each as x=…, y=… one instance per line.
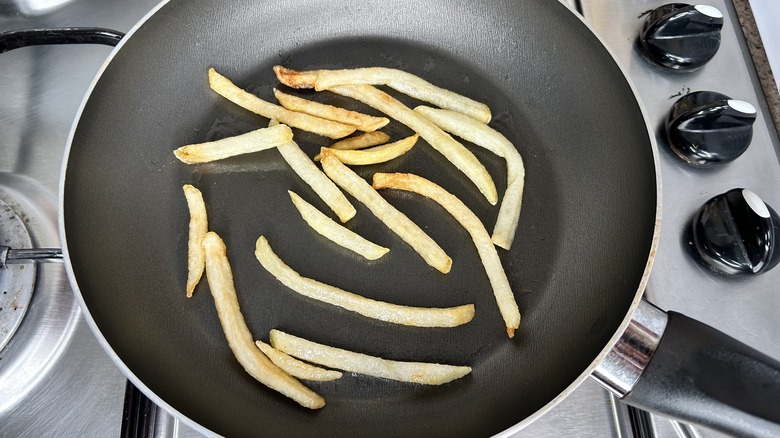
x=638, y=296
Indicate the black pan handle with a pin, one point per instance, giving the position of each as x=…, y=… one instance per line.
x=65, y=35
x=670, y=364
x=703, y=376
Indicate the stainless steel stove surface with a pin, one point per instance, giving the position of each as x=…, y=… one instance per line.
x=55, y=379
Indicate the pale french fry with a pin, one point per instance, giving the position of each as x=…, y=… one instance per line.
x=313, y=176
x=398, y=222
x=332, y=357
x=376, y=154
x=455, y=152
x=336, y=232
x=361, y=141
x=227, y=89
x=362, y=122
x=253, y=141
x=220, y=278
x=295, y=367
x=487, y=252
x=196, y=258
x=318, y=181
x=388, y=312
x=399, y=80
x=492, y=140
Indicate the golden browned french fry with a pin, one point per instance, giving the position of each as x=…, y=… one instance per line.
x=332, y=357
x=398, y=222
x=483, y=135
x=388, y=312
x=361, y=141
x=253, y=141
x=376, y=154
x=220, y=278
x=455, y=152
x=487, y=252
x=399, y=80
x=196, y=258
x=295, y=78
x=361, y=121
x=227, y=89
x=295, y=367
x=335, y=232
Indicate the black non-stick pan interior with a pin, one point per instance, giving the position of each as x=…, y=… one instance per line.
x=582, y=245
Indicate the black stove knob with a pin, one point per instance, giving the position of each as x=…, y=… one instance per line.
x=680, y=36
x=707, y=128
x=737, y=233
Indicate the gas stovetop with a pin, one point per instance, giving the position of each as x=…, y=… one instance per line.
x=55, y=379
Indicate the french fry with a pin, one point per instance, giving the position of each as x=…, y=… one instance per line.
x=376, y=154
x=332, y=357
x=487, y=252
x=253, y=141
x=313, y=176
x=455, y=152
x=398, y=222
x=362, y=122
x=227, y=89
x=361, y=141
x=295, y=367
x=318, y=181
x=483, y=135
x=335, y=232
x=398, y=80
x=383, y=311
x=196, y=257
x=295, y=78
x=220, y=278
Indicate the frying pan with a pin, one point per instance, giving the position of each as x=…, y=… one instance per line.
x=583, y=251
